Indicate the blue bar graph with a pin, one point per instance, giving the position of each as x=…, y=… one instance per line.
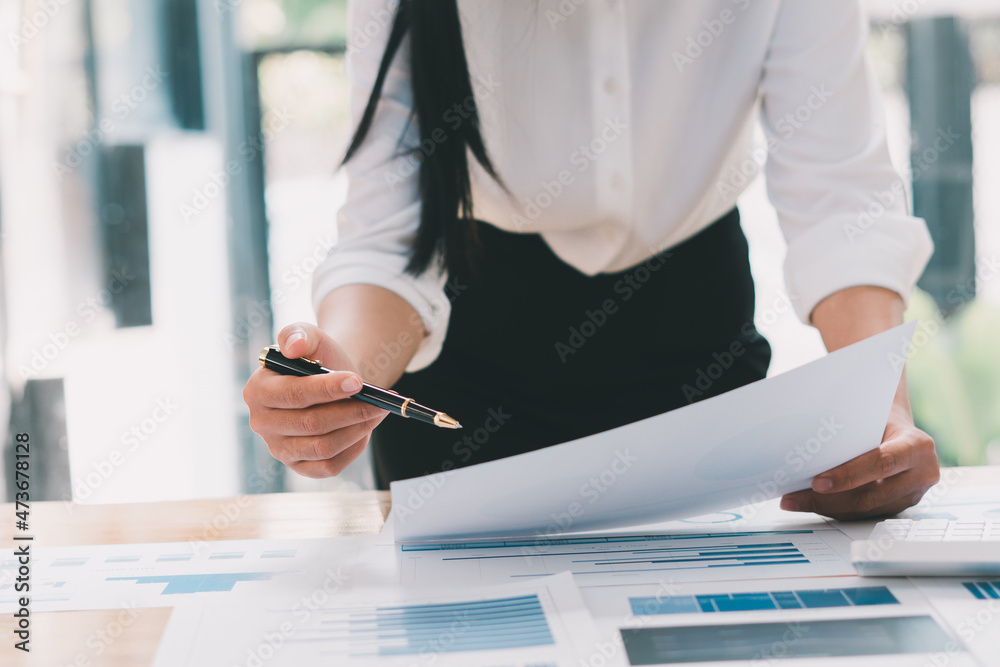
x=722, y=556
x=283, y=553
x=169, y=558
x=183, y=584
x=549, y=543
x=760, y=601
x=483, y=625
x=983, y=590
x=725, y=555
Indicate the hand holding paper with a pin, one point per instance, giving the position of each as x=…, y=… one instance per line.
x=757, y=442
x=883, y=481
x=895, y=475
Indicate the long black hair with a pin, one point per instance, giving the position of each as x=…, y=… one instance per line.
x=440, y=80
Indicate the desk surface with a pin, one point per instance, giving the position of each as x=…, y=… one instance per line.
x=67, y=638
x=62, y=639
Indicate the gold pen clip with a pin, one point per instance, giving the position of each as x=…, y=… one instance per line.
x=263, y=356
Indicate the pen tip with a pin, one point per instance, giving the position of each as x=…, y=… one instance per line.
x=444, y=421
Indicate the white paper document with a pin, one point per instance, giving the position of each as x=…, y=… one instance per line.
x=163, y=575
x=970, y=607
x=634, y=559
x=678, y=603
x=747, y=445
x=788, y=622
x=538, y=622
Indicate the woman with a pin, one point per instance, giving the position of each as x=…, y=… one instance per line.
x=541, y=231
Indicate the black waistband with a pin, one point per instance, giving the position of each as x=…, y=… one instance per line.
x=538, y=353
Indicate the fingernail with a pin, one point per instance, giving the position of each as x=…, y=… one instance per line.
x=789, y=504
x=822, y=484
x=351, y=385
x=295, y=336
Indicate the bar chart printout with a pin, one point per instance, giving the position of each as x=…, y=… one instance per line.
x=801, y=639
x=109, y=576
x=541, y=624
x=621, y=559
x=983, y=590
x=762, y=601
x=447, y=627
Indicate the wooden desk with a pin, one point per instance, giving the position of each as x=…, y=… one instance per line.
x=60, y=639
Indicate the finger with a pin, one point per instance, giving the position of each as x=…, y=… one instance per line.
x=334, y=466
x=273, y=390
x=892, y=457
x=882, y=497
x=315, y=420
x=295, y=449
x=307, y=340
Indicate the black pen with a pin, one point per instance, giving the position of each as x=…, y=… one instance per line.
x=272, y=359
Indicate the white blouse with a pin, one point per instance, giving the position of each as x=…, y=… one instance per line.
x=624, y=127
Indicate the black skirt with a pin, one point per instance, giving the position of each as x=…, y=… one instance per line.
x=538, y=353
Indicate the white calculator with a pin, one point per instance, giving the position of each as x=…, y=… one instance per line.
x=929, y=547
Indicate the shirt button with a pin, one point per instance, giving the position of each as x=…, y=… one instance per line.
x=610, y=85
x=617, y=182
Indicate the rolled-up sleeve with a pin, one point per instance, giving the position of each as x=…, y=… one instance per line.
x=842, y=207
x=379, y=218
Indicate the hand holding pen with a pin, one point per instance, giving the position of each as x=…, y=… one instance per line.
x=312, y=424
x=272, y=359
